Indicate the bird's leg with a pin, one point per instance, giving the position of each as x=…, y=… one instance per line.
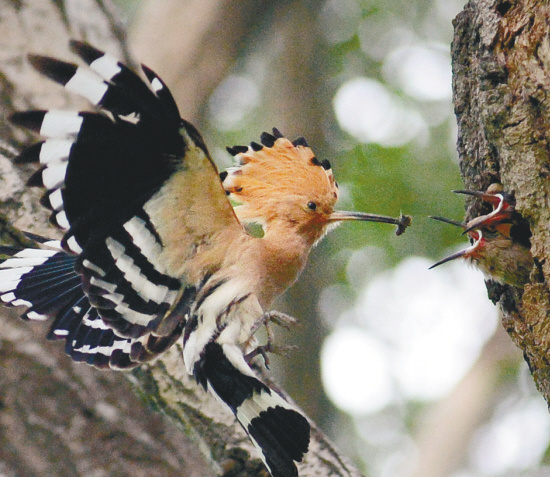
x=280, y=319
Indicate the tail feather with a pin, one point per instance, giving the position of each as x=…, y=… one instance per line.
x=278, y=430
x=290, y=428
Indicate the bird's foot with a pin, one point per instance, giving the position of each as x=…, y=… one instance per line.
x=280, y=319
x=276, y=317
x=269, y=347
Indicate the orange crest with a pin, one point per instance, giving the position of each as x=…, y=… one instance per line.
x=277, y=172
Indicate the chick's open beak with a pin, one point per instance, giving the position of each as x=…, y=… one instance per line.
x=451, y=257
x=402, y=222
x=446, y=220
x=498, y=213
x=477, y=235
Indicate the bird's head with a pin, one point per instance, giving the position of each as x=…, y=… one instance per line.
x=282, y=184
x=473, y=252
x=502, y=202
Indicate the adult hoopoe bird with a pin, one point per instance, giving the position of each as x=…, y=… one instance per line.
x=500, y=240
x=157, y=244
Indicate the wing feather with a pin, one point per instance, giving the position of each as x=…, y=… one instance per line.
x=134, y=188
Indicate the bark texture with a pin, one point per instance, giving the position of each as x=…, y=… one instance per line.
x=501, y=75
x=61, y=418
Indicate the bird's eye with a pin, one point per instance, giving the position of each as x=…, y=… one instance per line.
x=312, y=205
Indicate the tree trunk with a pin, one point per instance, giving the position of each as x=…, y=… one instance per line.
x=62, y=418
x=501, y=75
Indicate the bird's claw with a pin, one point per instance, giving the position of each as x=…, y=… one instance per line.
x=269, y=347
x=277, y=317
x=280, y=319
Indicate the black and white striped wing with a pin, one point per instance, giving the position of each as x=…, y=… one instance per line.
x=45, y=281
x=109, y=175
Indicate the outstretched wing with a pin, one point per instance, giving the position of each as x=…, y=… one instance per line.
x=115, y=180
x=140, y=200
x=44, y=280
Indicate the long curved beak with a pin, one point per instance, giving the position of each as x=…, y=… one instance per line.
x=475, y=193
x=480, y=221
x=451, y=257
x=461, y=253
x=495, y=199
x=446, y=220
x=402, y=222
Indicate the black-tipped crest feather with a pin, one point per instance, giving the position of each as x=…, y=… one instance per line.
x=267, y=139
x=255, y=146
x=300, y=141
x=236, y=150
x=278, y=134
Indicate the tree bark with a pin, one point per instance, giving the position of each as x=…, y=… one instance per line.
x=62, y=418
x=501, y=80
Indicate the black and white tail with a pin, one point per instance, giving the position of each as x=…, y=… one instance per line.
x=275, y=427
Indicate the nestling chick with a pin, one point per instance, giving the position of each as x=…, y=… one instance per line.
x=500, y=245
